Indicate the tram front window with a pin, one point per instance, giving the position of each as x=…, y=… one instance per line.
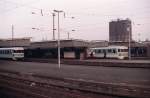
x=18, y=51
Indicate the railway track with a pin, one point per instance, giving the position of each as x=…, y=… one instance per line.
x=22, y=88
x=21, y=85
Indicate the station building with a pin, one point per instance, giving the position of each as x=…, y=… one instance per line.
x=72, y=48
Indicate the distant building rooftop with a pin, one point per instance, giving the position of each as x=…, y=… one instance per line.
x=63, y=43
x=16, y=42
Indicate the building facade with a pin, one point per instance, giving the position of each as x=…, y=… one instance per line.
x=120, y=30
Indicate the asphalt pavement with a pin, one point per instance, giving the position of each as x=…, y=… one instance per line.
x=114, y=75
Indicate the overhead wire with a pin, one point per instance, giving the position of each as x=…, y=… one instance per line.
x=28, y=5
x=18, y=5
x=82, y=13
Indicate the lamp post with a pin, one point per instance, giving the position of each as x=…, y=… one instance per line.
x=58, y=41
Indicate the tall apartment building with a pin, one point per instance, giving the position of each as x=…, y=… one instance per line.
x=120, y=30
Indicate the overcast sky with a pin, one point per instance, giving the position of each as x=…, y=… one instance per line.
x=91, y=20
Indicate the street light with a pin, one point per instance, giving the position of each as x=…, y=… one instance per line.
x=58, y=41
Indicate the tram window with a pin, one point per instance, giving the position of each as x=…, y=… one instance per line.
x=114, y=51
x=99, y=51
x=18, y=51
x=7, y=51
x=109, y=50
x=123, y=50
x=96, y=51
x=2, y=52
x=119, y=50
x=104, y=50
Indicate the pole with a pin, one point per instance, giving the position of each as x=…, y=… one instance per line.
x=53, y=26
x=68, y=35
x=12, y=34
x=12, y=30
x=58, y=11
x=58, y=43
x=129, y=45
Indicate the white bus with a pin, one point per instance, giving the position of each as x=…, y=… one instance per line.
x=13, y=53
x=119, y=52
